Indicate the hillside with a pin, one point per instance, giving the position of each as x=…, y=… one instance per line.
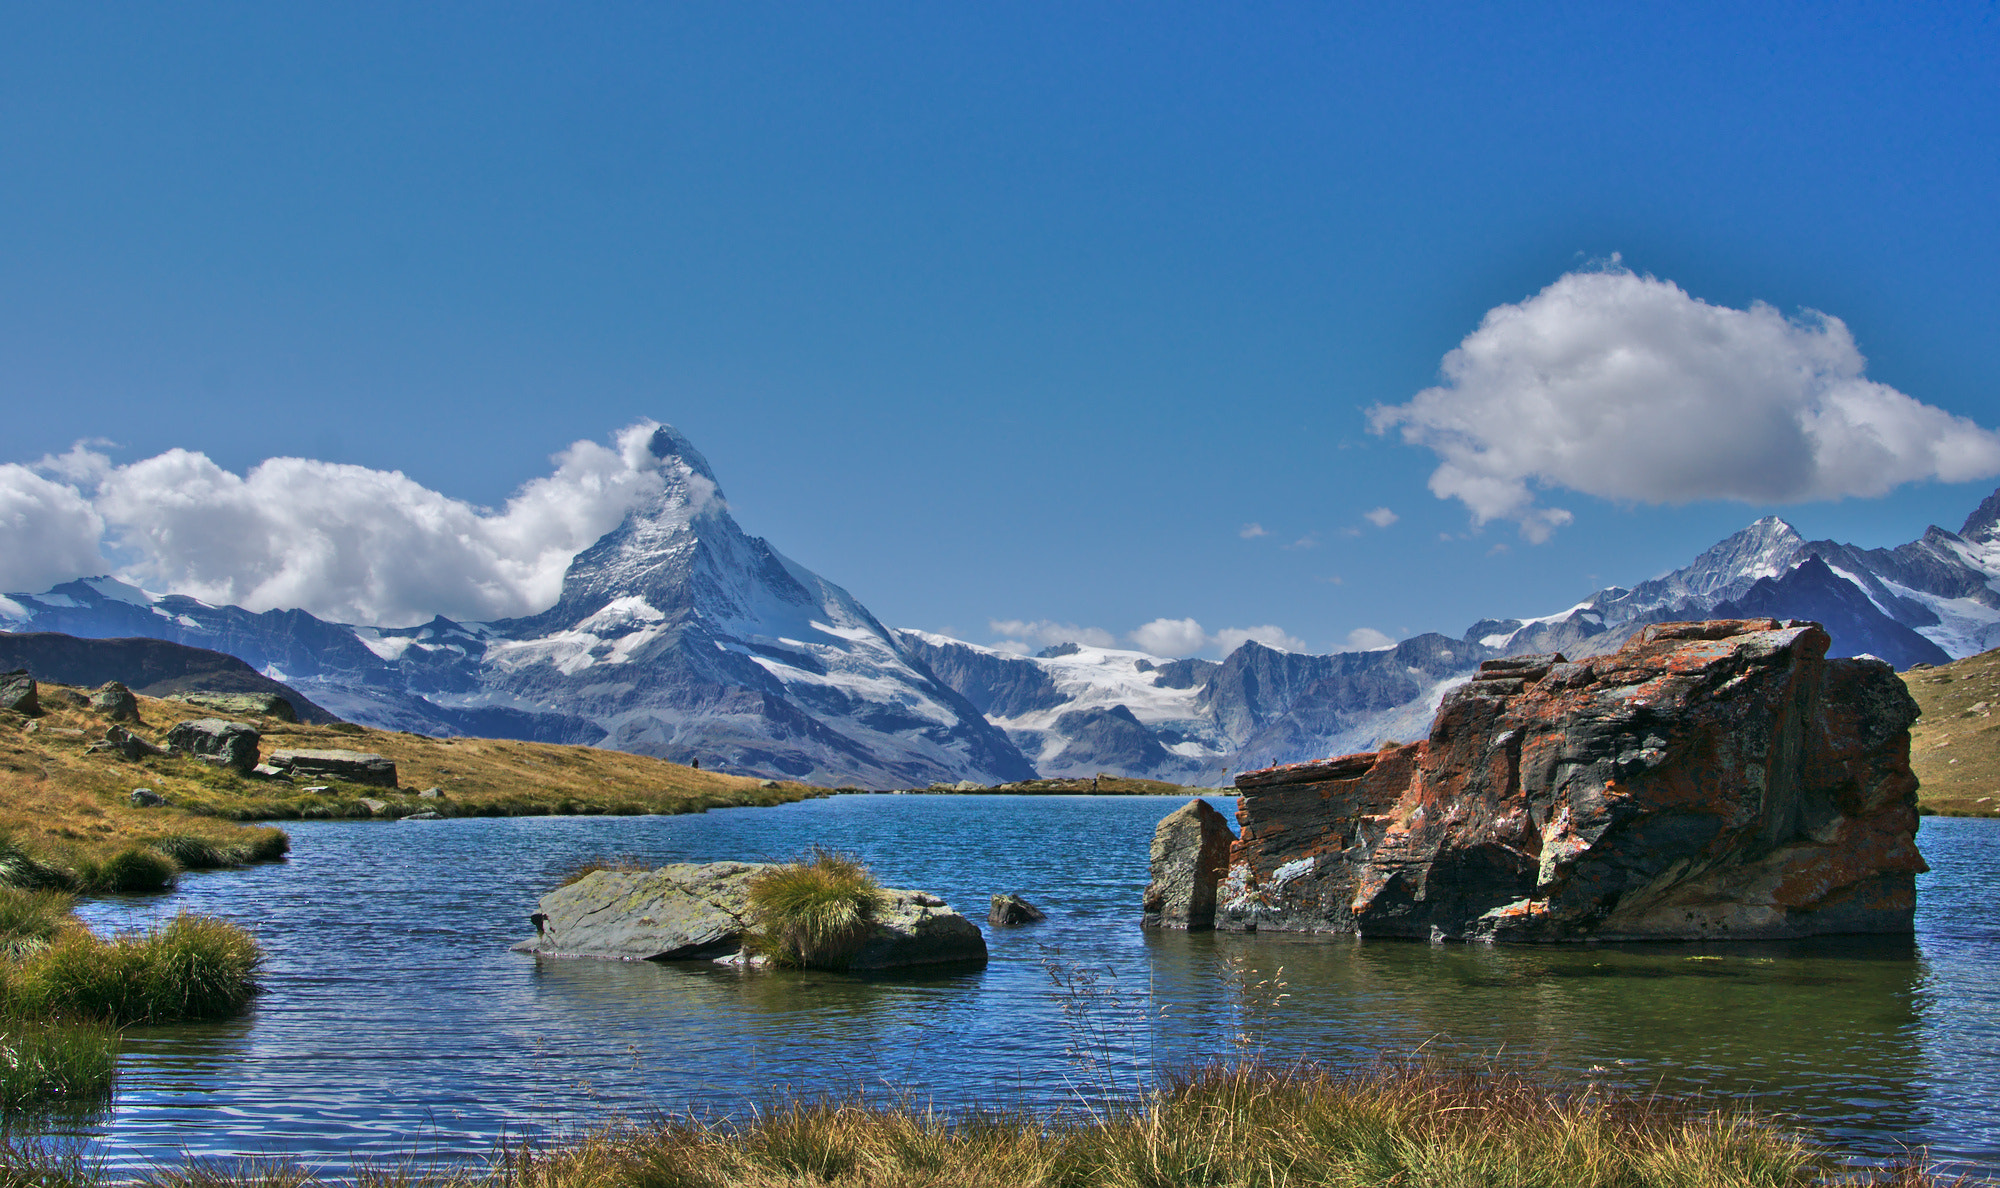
x=1955, y=746
x=59, y=800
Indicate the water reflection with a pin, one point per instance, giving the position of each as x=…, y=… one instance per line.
x=395, y=1015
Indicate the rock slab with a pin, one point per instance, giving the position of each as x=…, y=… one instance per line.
x=266, y=705
x=1717, y=780
x=356, y=767
x=1190, y=856
x=228, y=744
x=698, y=911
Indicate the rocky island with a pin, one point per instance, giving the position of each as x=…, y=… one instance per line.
x=1710, y=780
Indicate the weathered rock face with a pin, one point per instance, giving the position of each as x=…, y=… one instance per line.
x=1709, y=780
x=230, y=744
x=116, y=702
x=120, y=741
x=691, y=911
x=17, y=692
x=1190, y=854
x=356, y=767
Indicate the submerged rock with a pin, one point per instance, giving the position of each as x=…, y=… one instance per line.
x=699, y=911
x=1190, y=856
x=1011, y=910
x=1718, y=780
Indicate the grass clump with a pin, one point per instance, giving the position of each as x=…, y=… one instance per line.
x=51, y=1064
x=132, y=870
x=195, y=967
x=813, y=913
x=29, y=920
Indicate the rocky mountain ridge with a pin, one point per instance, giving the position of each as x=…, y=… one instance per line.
x=680, y=636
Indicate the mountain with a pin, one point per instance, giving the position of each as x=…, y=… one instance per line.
x=151, y=667
x=676, y=635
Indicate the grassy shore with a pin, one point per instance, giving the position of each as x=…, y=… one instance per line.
x=60, y=800
x=1955, y=746
x=1248, y=1126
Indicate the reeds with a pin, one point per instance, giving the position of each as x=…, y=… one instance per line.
x=45, y=1065
x=813, y=913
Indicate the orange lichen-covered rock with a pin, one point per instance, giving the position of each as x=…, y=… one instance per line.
x=1720, y=780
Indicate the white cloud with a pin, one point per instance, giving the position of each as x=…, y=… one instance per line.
x=1252, y=530
x=1170, y=637
x=1625, y=387
x=343, y=542
x=1032, y=635
x=1185, y=637
x=48, y=532
x=1381, y=517
x=1367, y=639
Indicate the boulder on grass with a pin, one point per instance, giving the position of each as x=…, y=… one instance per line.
x=355, y=767
x=116, y=702
x=265, y=705
x=147, y=798
x=214, y=740
x=17, y=692
x=120, y=741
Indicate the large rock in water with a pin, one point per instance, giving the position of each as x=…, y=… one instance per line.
x=691, y=911
x=1190, y=853
x=1718, y=780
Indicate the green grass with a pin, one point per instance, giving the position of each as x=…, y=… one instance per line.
x=194, y=967
x=51, y=1064
x=29, y=920
x=815, y=912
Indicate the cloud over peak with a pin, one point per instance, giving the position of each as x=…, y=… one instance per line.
x=1627, y=388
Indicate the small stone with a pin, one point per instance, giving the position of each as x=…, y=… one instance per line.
x=1011, y=910
x=147, y=798
x=432, y=793
x=767, y=783
x=426, y=815
x=375, y=807
x=266, y=771
x=316, y=789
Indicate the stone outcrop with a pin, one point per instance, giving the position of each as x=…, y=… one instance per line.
x=262, y=705
x=214, y=740
x=692, y=912
x=1009, y=911
x=1715, y=780
x=120, y=741
x=355, y=767
x=1191, y=847
x=116, y=702
x=17, y=692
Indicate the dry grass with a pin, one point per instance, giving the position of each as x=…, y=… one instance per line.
x=69, y=808
x=1955, y=746
x=1242, y=1126
x=814, y=913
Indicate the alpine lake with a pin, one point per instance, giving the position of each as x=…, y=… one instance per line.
x=396, y=1025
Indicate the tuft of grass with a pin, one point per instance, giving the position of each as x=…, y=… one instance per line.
x=134, y=869
x=195, y=967
x=45, y=1065
x=29, y=920
x=20, y=868
x=815, y=912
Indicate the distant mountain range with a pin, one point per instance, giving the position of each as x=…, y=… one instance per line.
x=679, y=635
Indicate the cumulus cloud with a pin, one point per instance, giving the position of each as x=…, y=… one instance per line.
x=1185, y=637
x=1252, y=531
x=48, y=532
x=1381, y=517
x=1367, y=639
x=343, y=542
x=1625, y=387
x=1026, y=635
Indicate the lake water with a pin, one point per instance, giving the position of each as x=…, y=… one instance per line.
x=395, y=1020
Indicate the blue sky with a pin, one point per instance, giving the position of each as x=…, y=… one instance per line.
x=987, y=313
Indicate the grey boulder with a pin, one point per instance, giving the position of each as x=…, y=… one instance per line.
x=120, y=741
x=1011, y=910
x=147, y=798
x=116, y=702
x=17, y=692
x=355, y=767
x=697, y=911
x=214, y=740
